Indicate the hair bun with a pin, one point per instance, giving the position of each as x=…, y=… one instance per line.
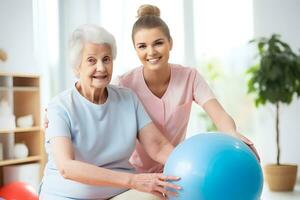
x=148, y=9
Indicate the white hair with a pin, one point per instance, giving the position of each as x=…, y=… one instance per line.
x=89, y=34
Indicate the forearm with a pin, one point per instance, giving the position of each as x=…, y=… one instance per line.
x=225, y=123
x=220, y=117
x=93, y=175
x=155, y=143
x=161, y=151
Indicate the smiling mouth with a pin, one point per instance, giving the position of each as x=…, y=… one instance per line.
x=153, y=60
x=100, y=77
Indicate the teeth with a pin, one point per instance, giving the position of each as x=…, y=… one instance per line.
x=153, y=60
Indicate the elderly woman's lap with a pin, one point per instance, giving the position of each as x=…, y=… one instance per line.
x=135, y=195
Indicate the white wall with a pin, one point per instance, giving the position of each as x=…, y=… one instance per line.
x=277, y=16
x=16, y=36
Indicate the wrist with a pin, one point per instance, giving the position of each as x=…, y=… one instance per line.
x=129, y=180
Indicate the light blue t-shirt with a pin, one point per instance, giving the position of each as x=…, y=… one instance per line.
x=103, y=135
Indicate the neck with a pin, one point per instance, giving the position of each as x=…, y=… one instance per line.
x=94, y=95
x=158, y=77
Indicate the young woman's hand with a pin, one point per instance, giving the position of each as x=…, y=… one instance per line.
x=155, y=183
x=248, y=142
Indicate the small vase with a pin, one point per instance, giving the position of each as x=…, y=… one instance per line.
x=20, y=150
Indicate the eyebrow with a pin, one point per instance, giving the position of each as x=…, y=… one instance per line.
x=157, y=40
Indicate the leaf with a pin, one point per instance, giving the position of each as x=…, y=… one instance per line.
x=276, y=78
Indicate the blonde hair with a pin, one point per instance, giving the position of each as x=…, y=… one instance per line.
x=149, y=17
x=148, y=9
x=89, y=34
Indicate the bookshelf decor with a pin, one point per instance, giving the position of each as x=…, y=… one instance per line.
x=20, y=100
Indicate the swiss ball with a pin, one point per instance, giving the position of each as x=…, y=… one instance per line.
x=18, y=191
x=215, y=166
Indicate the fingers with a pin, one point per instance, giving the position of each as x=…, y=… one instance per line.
x=156, y=183
x=246, y=140
x=163, y=185
x=165, y=192
x=160, y=195
x=169, y=185
x=255, y=151
x=250, y=144
x=168, y=178
x=168, y=192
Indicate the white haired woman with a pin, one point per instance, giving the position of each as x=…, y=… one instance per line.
x=93, y=130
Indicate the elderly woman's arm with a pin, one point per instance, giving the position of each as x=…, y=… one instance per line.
x=155, y=143
x=75, y=170
x=72, y=169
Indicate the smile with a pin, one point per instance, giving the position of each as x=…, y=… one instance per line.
x=153, y=60
x=100, y=77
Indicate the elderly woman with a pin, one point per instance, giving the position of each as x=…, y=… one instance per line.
x=94, y=127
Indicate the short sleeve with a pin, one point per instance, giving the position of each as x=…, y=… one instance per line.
x=142, y=116
x=59, y=125
x=201, y=91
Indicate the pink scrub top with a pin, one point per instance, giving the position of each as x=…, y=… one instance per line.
x=171, y=112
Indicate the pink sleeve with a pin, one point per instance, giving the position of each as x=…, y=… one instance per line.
x=201, y=91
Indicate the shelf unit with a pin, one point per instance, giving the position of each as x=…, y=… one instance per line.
x=22, y=92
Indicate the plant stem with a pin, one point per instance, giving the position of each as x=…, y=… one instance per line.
x=277, y=133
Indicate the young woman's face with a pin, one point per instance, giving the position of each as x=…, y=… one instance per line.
x=95, y=70
x=152, y=47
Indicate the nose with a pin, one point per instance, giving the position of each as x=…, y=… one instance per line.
x=151, y=50
x=100, y=67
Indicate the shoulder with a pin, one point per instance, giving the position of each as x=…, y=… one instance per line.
x=184, y=72
x=61, y=106
x=62, y=100
x=177, y=68
x=131, y=77
x=123, y=96
x=131, y=73
x=61, y=97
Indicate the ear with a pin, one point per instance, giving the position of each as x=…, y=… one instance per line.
x=171, y=44
x=76, y=71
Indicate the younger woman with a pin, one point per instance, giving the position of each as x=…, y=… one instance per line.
x=168, y=90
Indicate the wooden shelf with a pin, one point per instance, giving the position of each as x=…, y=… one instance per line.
x=22, y=92
x=18, y=130
x=23, y=75
x=26, y=89
x=19, y=161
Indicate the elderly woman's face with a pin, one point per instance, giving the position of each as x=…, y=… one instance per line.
x=95, y=70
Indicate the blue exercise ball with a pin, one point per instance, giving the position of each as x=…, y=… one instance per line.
x=215, y=166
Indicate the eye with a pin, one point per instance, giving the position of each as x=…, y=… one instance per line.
x=91, y=60
x=141, y=46
x=158, y=43
x=106, y=60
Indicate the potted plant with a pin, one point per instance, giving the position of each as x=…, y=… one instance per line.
x=276, y=80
